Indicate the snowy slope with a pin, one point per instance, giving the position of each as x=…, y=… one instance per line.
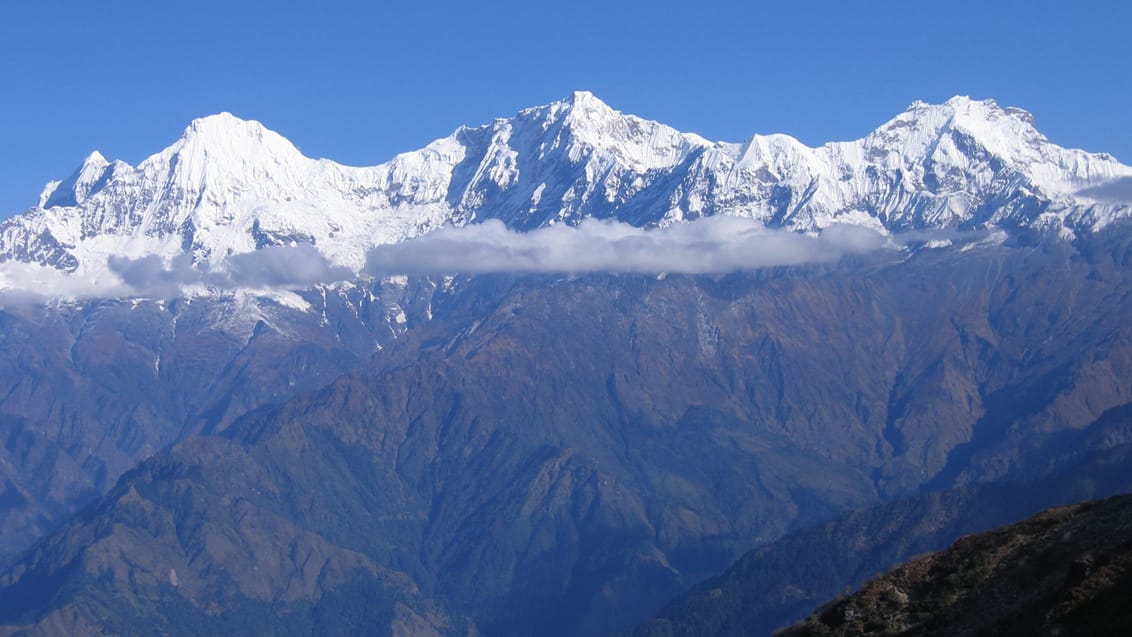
x=229, y=186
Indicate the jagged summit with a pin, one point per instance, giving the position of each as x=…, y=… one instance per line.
x=582, y=101
x=585, y=96
x=582, y=123
x=229, y=185
x=978, y=116
x=579, y=101
x=94, y=158
x=1006, y=132
x=75, y=189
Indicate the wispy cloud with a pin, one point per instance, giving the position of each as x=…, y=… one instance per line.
x=272, y=267
x=707, y=245
x=149, y=275
x=27, y=283
x=278, y=267
x=1115, y=191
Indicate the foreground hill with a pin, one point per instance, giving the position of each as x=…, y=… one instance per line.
x=1066, y=571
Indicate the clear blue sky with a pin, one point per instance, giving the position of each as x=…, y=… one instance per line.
x=358, y=82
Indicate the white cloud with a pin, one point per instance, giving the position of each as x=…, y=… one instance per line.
x=22, y=283
x=1116, y=191
x=272, y=268
x=278, y=267
x=708, y=245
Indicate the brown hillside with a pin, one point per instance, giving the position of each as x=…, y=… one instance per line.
x=1065, y=571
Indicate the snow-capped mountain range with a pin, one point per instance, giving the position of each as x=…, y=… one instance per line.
x=230, y=186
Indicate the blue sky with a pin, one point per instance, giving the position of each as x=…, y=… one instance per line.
x=360, y=81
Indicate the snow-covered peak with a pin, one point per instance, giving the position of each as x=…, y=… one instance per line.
x=208, y=179
x=581, y=97
x=777, y=153
x=221, y=155
x=947, y=145
x=224, y=123
x=94, y=161
x=584, y=110
x=222, y=138
x=631, y=141
x=916, y=133
x=227, y=132
x=75, y=189
x=229, y=186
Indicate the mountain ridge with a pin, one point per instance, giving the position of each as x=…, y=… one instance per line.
x=530, y=453
x=231, y=186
